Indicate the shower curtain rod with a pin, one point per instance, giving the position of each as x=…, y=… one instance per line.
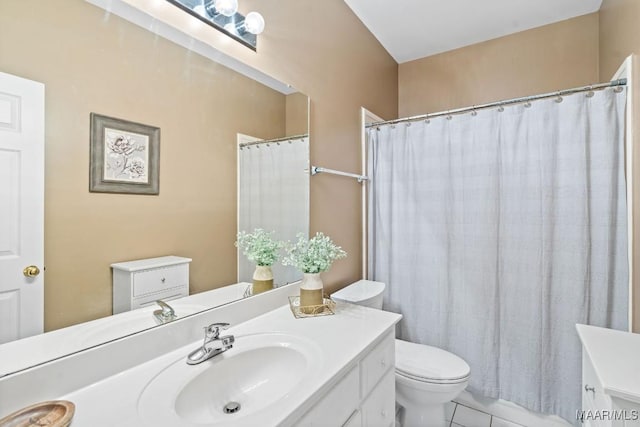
x=269, y=141
x=613, y=83
x=317, y=169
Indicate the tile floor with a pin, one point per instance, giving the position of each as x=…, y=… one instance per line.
x=462, y=416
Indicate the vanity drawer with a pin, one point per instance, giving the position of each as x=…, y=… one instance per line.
x=379, y=408
x=377, y=363
x=158, y=280
x=336, y=408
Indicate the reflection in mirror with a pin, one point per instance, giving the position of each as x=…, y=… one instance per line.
x=273, y=195
x=112, y=67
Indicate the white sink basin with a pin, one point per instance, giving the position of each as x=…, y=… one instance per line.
x=260, y=371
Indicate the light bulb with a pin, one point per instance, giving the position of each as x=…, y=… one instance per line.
x=226, y=7
x=254, y=23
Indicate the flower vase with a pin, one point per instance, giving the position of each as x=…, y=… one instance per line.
x=311, y=292
x=262, y=279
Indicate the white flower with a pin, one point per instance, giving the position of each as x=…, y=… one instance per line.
x=313, y=256
x=259, y=246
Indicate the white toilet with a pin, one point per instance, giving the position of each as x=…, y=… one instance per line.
x=426, y=377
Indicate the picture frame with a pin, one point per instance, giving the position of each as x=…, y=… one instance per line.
x=124, y=156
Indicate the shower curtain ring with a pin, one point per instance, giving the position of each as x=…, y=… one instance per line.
x=559, y=98
x=590, y=93
x=618, y=89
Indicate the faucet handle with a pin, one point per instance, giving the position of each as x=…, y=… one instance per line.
x=213, y=331
x=166, y=312
x=166, y=308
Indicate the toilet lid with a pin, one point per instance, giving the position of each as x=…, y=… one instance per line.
x=359, y=291
x=429, y=364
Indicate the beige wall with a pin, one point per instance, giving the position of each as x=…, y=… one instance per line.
x=544, y=59
x=120, y=70
x=297, y=114
x=81, y=54
x=619, y=38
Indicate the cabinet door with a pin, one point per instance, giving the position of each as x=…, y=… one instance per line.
x=594, y=400
x=379, y=408
x=336, y=407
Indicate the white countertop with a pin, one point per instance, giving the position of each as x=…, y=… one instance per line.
x=342, y=338
x=615, y=356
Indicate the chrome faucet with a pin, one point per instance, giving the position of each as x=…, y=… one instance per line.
x=212, y=345
x=166, y=313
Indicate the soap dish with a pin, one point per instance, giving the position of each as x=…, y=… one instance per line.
x=327, y=308
x=52, y=413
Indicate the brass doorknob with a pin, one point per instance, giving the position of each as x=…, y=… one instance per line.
x=31, y=271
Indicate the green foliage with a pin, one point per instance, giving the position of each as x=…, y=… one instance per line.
x=259, y=246
x=314, y=255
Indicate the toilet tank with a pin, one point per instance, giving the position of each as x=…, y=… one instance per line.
x=363, y=292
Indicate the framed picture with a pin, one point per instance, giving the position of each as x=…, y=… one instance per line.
x=125, y=156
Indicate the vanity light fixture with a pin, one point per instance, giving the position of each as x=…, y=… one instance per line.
x=223, y=15
x=226, y=7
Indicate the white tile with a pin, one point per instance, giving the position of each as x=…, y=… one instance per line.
x=468, y=417
x=449, y=408
x=499, y=422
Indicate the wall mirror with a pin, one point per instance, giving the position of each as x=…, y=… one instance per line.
x=223, y=135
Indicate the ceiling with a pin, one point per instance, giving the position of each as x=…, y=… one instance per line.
x=412, y=29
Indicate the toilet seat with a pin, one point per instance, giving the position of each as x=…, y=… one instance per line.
x=429, y=364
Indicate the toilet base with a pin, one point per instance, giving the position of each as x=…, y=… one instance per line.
x=425, y=416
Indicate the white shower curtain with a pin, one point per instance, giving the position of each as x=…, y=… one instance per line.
x=497, y=233
x=273, y=194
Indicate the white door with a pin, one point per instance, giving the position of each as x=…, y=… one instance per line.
x=21, y=207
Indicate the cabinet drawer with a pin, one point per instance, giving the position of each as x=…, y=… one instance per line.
x=379, y=408
x=336, y=407
x=377, y=363
x=161, y=279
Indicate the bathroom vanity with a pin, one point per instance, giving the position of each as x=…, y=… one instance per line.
x=610, y=377
x=330, y=370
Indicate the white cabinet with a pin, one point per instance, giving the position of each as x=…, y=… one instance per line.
x=364, y=397
x=140, y=283
x=601, y=409
x=378, y=410
x=610, y=377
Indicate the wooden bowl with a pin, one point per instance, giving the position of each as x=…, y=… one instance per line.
x=53, y=413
